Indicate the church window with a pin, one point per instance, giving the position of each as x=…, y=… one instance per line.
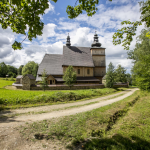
x=88, y=71
x=78, y=71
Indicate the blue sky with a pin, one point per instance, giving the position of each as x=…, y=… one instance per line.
x=57, y=25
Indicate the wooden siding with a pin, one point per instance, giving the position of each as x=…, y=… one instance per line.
x=99, y=71
x=99, y=60
x=83, y=71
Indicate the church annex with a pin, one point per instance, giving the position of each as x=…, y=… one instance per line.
x=88, y=62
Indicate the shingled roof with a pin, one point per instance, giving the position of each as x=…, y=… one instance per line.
x=77, y=56
x=19, y=76
x=30, y=76
x=52, y=63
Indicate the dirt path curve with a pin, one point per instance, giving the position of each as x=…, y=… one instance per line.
x=19, y=120
x=58, y=106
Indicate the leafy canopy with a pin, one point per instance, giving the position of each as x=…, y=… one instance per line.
x=3, y=69
x=129, y=30
x=20, y=70
x=30, y=68
x=141, y=60
x=120, y=74
x=21, y=15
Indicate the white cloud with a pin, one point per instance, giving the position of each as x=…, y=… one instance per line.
x=56, y=48
x=81, y=31
x=48, y=31
x=67, y=25
x=51, y=8
x=111, y=17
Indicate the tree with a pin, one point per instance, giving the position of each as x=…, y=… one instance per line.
x=3, y=69
x=129, y=78
x=12, y=71
x=130, y=30
x=20, y=70
x=141, y=60
x=43, y=83
x=69, y=76
x=110, y=75
x=120, y=74
x=20, y=14
x=30, y=68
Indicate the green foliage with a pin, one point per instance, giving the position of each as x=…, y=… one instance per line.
x=12, y=79
x=69, y=76
x=129, y=78
x=20, y=70
x=110, y=75
x=3, y=69
x=18, y=14
x=141, y=57
x=120, y=74
x=43, y=83
x=12, y=69
x=30, y=68
x=148, y=34
x=130, y=29
x=17, y=45
x=11, y=74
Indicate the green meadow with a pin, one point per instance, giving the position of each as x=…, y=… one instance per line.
x=20, y=98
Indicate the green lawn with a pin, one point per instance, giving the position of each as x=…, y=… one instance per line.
x=124, y=125
x=21, y=98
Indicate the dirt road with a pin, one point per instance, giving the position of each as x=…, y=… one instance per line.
x=11, y=139
x=60, y=110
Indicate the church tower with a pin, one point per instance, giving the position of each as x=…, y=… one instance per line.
x=68, y=43
x=98, y=55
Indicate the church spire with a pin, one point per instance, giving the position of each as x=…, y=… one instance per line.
x=96, y=42
x=68, y=40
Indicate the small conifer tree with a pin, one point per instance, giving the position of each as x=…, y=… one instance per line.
x=43, y=83
x=69, y=76
x=110, y=76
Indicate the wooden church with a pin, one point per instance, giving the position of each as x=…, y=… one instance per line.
x=88, y=62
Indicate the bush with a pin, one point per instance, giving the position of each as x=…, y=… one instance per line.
x=11, y=79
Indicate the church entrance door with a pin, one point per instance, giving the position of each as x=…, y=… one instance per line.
x=50, y=81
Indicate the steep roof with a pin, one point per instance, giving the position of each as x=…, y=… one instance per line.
x=52, y=63
x=19, y=76
x=30, y=76
x=77, y=56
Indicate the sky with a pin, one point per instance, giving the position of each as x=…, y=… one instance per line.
x=57, y=25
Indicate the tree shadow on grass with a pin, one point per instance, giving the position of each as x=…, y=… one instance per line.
x=117, y=142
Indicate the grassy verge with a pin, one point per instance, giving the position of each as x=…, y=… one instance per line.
x=121, y=125
x=11, y=99
x=48, y=111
